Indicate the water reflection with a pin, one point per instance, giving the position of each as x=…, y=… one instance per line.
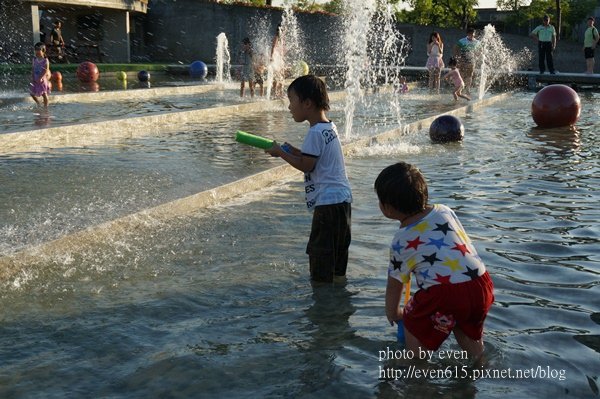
x=42, y=118
x=556, y=141
x=329, y=320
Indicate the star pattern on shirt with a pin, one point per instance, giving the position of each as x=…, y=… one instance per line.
x=462, y=248
x=442, y=279
x=422, y=227
x=411, y=263
x=437, y=253
x=396, y=247
x=439, y=243
x=473, y=273
x=425, y=274
x=414, y=243
x=431, y=258
x=444, y=228
x=453, y=264
x=397, y=263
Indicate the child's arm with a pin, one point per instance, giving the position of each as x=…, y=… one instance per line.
x=295, y=157
x=393, y=293
x=47, y=74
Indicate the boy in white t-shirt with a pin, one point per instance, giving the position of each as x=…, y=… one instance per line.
x=327, y=189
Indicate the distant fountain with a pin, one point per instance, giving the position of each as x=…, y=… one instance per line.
x=374, y=51
x=357, y=22
x=223, y=59
x=496, y=60
x=291, y=50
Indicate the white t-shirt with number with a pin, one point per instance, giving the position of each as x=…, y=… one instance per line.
x=327, y=183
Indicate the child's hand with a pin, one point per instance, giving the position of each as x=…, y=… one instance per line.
x=275, y=150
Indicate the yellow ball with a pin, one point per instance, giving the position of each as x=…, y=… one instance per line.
x=302, y=68
x=121, y=75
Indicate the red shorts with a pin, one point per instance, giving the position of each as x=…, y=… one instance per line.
x=431, y=314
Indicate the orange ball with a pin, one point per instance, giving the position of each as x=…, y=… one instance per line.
x=56, y=76
x=556, y=106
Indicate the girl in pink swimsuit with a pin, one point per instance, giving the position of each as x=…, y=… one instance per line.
x=454, y=76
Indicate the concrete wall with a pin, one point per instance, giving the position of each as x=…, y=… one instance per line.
x=186, y=30
x=182, y=31
x=18, y=32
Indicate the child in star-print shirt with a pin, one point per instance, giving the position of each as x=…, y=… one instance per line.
x=455, y=291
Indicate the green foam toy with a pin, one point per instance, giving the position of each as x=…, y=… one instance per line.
x=253, y=140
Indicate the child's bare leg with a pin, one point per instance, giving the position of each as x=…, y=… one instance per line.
x=412, y=343
x=35, y=99
x=459, y=94
x=251, y=85
x=456, y=94
x=464, y=96
x=242, y=88
x=45, y=98
x=473, y=347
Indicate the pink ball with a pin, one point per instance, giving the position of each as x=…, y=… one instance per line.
x=87, y=72
x=556, y=106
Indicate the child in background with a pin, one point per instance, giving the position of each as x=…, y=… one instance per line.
x=403, y=87
x=454, y=76
x=247, y=67
x=327, y=188
x=260, y=71
x=40, y=75
x=455, y=291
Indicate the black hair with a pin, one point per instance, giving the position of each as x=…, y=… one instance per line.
x=246, y=40
x=452, y=62
x=470, y=30
x=310, y=87
x=403, y=187
x=40, y=46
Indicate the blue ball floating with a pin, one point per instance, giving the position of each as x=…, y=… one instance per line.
x=198, y=69
x=143, y=76
x=446, y=128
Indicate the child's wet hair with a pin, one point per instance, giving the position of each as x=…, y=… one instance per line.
x=310, y=87
x=40, y=46
x=403, y=187
x=452, y=62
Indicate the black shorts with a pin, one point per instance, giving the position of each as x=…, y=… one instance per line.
x=588, y=52
x=329, y=241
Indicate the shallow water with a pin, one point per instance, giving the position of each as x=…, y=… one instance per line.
x=218, y=303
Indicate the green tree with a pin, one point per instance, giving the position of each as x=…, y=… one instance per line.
x=566, y=13
x=444, y=13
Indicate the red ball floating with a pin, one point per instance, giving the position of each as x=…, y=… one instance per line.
x=556, y=106
x=87, y=72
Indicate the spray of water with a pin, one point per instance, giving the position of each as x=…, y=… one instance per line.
x=223, y=59
x=287, y=50
x=496, y=60
x=356, y=26
x=374, y=51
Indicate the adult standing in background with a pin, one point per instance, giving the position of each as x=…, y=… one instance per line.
x=435, y=62
x=590, y=40
x=465, y=54
x=57, y=43
x=545, y=35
